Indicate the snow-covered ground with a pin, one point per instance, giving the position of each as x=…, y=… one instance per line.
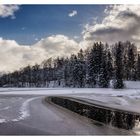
x=14, y=109
x=126, y=99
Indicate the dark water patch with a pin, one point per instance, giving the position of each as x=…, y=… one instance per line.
x=117, y=118
x=119, y=95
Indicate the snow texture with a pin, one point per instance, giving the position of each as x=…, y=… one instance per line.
x=24, y=110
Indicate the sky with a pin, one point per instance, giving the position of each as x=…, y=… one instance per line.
x=31, y=33
x=33, y=22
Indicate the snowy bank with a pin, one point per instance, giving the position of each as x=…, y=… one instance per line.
x=127, y=99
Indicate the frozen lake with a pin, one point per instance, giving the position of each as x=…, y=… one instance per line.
x=24, y=112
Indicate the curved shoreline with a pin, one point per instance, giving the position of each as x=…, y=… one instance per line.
x=111, y=116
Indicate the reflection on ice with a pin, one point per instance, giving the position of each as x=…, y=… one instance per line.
x=114, y=117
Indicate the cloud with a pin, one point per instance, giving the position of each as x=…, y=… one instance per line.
x=8, y=10
x=121, y=23
x=57, y=45
x=73, y=13
x=23, y=28
x=36, y=39
x=14, y=56
x=76, y=37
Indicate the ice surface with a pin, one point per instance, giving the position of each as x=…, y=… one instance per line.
x=14, y=109
x=24, y=110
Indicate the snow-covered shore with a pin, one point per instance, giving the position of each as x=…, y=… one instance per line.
x=127, y=99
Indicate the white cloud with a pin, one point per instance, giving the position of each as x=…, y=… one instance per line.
x=57, y=45
x=14, y=56
x=36, y=39
x=8, y=10
x=73, y=13
x=23, y=28
x=76, y=37
x=121, y=23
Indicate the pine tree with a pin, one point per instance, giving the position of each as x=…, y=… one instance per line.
x=104, y=76
x=138, y=67
x=59, y=70
x=79, y=74
x=36, y=75
x=91, y=79
x=109, y=64
x=73, y=61
x=130, y=55
x=95, y=64
x=66, y=72
x=82, y=68
x=81, y=55
x=125, y=67
x=118, y=81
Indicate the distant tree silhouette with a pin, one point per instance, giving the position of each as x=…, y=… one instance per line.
x=94, y=67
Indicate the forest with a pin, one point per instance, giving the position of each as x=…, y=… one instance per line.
x=97, y=66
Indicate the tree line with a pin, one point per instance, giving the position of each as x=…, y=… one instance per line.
x=97, y=66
